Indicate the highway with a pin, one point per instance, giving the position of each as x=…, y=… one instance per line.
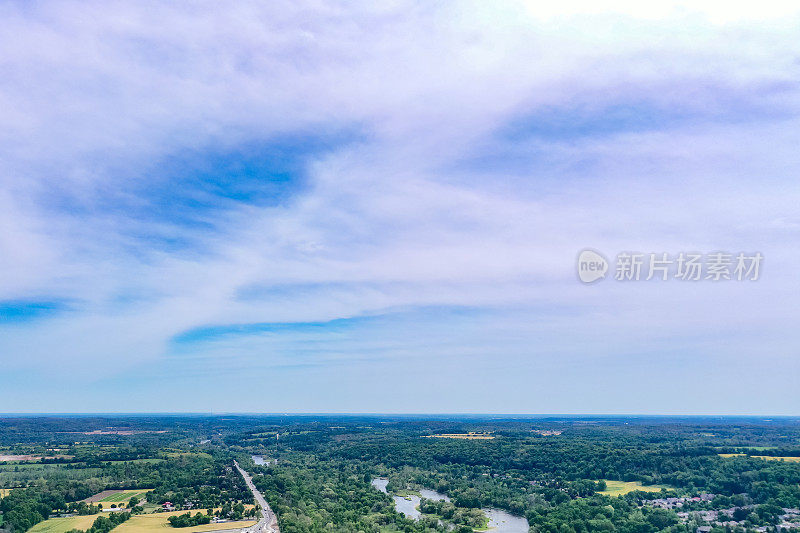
x=268, y=522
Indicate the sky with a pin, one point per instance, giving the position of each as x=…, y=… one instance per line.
x=377, y=207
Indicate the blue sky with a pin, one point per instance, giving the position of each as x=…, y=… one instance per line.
x=303, y=208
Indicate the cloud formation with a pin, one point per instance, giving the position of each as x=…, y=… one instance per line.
x=383, y=204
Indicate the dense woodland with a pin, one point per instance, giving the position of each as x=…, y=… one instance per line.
x=549, y=471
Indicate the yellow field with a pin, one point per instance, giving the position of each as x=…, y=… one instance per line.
x=61, y=525
x=124, y=497
x=4, y=492
x=467, y=436
x=157, y=523
x=618, y=488
x=765, y=457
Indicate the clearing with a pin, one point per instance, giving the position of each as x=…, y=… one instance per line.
x=472, y=435
x=116, y=495
x=765, y=457
x=772, y=458
x=28, y=458
x=157, y=523
x=618, y=488
x=62, y=525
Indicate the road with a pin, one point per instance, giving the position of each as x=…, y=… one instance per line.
x=268, y=522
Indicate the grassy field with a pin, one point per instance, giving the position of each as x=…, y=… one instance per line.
x=204, y=455
x=125, y=495
x=618, y=488
x=157, y=523
x=116, y=496
x=466, y=436
x=144, y=523
x=30, y=466
x=150, y=460
x=765, y=457
x=62, y=525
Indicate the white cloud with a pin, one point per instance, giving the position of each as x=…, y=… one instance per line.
x=399, y=219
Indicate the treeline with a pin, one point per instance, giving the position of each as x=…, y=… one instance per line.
x=315, y=496
x=187, y=520
x=104, y=524
x=563, y=462
x=22, y=509
x=551, y=480
x=474, y=518
x=205, y=480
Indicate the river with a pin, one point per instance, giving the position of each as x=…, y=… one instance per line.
x=499, y=521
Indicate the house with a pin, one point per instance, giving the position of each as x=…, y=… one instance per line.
x=167, y=506
x=703, y=529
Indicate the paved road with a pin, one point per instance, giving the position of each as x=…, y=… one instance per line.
x=268, y=522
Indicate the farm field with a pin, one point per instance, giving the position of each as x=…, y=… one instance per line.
x=116, y=496
x=124, y=496
x=31, y=458
x=149, y=523
x=62, y=525
x=618, y=488
x=151, y=460
x=13, y=467
x=765, y=457
x=465, y=436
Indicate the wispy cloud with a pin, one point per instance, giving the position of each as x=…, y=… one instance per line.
x=295, y=190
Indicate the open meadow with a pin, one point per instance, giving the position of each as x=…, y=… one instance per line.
x=157, y=522
x=125, y=495
x=142, y=523
x=618, y=488
x=765, y=457
x=465, y=436
x=62, y=525
x=116, y=495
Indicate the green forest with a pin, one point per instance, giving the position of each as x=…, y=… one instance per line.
x=321, y=474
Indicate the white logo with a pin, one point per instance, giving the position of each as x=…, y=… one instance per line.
x=591, y=266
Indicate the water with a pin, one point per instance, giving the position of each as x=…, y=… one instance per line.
x=407, y=506
x=433, y=495
x=499, y=521
x=503, y=522
x=402, y=505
